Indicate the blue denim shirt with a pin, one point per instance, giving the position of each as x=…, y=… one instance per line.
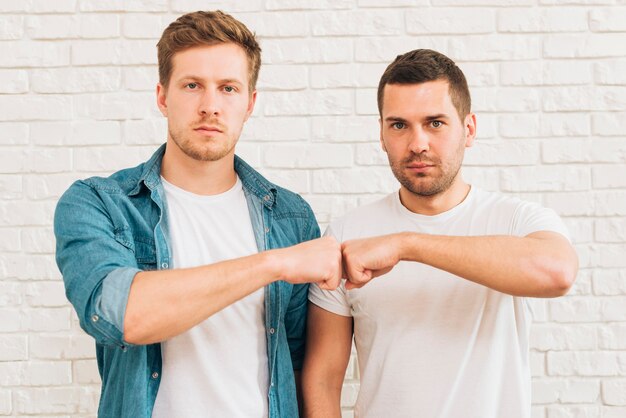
x=108, y=229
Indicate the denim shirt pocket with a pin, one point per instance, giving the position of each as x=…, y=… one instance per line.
x=142, y=246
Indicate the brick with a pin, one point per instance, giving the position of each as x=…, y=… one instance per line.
x=144, y=132
x=482, y=177
x=300, y=103
x=308, y=5
x=97, y=52
x=345, y=129
x=582, y=285
x=610, y=72
x=23, y=108
x=10, y=189
x=184, y=6
x=609, y=176
x=479, y=74
x=50, y=133
x=251, y=153
x=386, y=49
x=307, y=156
x=426, y=21
x=566, y=124
x=584, y=46
x=31, y=266
x=580, y=150
x=487, y=126
x=566, y=72
x=577, y=99
x=334, y=76
x=283, y=77
x=29, y=373
x=46, y=400
x=609, y=124
x=580, y=229
x=482, y=2
x=391, y=3
x=276, y=129
x=5, y=402
x=10, y=292
x=299, y=51
x=9, y=320
x=545, y=178
x=11, y=27
x=13, y=81
x=502, y=153
x=505, y=99
x=115, y=106
x=46, y=320
x=85, y=372
x=94, y=133
x=59, y=346
x=143, y=78
x=57, y=6
x=143, y=26
x=519, y=126
x=558, y=337
x=294, y=180
x=613, y=412
x=34, y=54
x=277, y=24
x=99, y=26
x=587, y=363
x=11, y=6
x=607, y=19
x=37, y=240
x=13, y=347
x=612, y=336
x=138, y=52
x=49, y=160
x=356, y=23
x=567, y=411
x=50, y=186
x=575, y=309
x=571, y=203
x=528, y=20
x=500, y=47
x=537, y=363
x=13, y=133
x=371, y=154
x=49, y=294
x=611, y=203
x=326, y=207
x=609, y=282
x=124, y=6
x=521, y=73
x=614, y=392
x=105, y=160
x=52, y=27
x=547, y=391
x=25, y=213
x=366, y=102
x=370, y=180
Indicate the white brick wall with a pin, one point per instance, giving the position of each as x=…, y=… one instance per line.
x=548, y=79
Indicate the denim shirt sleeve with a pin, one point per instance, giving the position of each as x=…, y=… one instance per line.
x=97, y=267
x=295, y=318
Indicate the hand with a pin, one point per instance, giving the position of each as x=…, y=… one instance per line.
x=316, y=261
x=364, y=259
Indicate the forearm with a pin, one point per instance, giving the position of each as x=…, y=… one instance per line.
x=520, y=266
x=165, y=303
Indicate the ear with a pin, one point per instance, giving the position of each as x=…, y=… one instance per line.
x=470, y=129
x=161, y=99
x=251, y=103
x=382, y=140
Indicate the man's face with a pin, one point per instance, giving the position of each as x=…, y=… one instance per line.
x=207, y=100
x=423, y=136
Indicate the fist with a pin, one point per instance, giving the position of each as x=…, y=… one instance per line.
x=316, y=261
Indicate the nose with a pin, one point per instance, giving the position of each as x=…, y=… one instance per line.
x=209, y=104
x=420, y=142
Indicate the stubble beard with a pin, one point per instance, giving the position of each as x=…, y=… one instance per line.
x=206, y=150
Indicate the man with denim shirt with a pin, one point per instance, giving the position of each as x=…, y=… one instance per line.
x=191, y=270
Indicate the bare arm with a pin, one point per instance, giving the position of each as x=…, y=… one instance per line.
x=542, y=264
x=165, y=303
x=329, y=340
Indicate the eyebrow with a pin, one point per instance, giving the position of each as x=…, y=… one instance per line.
x=223, y=81
x=429, y=118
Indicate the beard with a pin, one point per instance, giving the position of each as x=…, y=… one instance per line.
x=204, y=149
x=426, y=184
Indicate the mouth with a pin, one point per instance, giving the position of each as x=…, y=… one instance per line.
x=208, y=129
x=419, y=167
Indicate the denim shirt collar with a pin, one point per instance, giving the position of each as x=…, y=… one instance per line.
x=251, y=180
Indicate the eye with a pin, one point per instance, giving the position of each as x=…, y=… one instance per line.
x=436, y=124
x=398, y=125
x=191, y=86
x=229, y=89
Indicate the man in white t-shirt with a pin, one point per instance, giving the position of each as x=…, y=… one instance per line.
x=437, y=273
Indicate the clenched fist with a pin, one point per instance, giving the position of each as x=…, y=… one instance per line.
x=316, y=261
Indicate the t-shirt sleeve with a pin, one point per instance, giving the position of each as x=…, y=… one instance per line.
x=531, y=217
x=335, y=301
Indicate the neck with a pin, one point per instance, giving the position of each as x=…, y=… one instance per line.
x=438, y=203
x=199, y=177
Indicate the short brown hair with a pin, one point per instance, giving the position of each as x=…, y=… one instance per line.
x=422, y=65
x=206, y=28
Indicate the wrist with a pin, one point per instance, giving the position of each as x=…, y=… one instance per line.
x=405, y=244
x=271, y=261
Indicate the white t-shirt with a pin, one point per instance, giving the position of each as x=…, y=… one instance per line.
x=431, y=344
x=218, y=368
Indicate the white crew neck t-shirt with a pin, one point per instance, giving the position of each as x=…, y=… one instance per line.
x=219, y=368
x=431, y=344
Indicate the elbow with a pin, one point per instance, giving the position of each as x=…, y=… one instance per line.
x=135, y=332
x=562, y=277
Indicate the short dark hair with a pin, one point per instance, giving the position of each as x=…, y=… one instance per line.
x=422, y=65
x=206, y=28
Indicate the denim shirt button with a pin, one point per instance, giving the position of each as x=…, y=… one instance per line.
x=267, y=230
x=155, y=375
x=272, y=330
x=164, y=265
x=266, y=197
x=95, y=318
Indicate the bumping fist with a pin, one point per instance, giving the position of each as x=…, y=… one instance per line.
x=367, y=258
x=316, y=261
